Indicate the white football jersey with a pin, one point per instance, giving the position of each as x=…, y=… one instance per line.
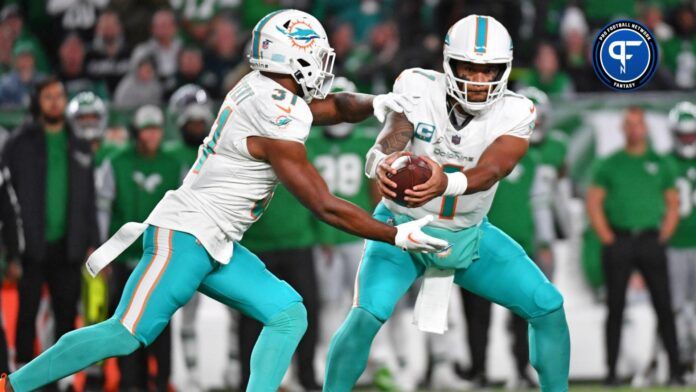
x=436, y=137
x=227, y=189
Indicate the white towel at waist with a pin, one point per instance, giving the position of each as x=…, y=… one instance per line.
x=114, y=246
x=430, y=313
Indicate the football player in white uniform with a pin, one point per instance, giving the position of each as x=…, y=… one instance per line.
x=473, y=131
x=191, y=237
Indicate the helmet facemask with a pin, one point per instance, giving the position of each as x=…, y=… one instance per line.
x=86, y=114
x=314, y=73
x=89, y=126
x=458, y=88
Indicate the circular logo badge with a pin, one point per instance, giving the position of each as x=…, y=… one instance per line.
x=624, y=55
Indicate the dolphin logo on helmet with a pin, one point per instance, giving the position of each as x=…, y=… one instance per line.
x=297, y=46
x=305, y=36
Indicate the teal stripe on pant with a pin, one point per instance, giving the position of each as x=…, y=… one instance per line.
x=173, y=266
x=244, y=284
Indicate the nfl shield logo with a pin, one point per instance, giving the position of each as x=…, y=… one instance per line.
x=456, y=139
x=265, y=44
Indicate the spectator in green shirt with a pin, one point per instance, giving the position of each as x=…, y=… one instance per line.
x=546, y=74
x=634, y=209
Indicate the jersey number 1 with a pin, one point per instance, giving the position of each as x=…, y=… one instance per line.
x=449, y=203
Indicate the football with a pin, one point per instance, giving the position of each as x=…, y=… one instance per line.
x=410, y=171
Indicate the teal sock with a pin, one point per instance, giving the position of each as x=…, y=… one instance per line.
x=349, y=350
x=73, y=352
x=549, y=350
x=273, y=350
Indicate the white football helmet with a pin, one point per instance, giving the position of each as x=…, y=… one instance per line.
x=87, y=115
x=294, y=43
x=682, y=123
x=481, y=40
x=543, y=106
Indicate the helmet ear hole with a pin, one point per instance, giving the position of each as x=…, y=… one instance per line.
x=303, y=63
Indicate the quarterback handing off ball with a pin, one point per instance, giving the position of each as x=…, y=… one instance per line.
x=410, y=171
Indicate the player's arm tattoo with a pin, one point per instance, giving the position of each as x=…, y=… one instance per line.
x=342, y=107
x=396, y=134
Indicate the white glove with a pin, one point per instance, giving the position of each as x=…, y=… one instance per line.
x=409, y=237
x=399, y=103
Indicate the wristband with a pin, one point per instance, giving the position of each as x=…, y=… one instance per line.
x=456, y=184
x=373, y=159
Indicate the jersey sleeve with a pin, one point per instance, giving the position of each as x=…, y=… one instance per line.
x=416, y=82
x=288, y=118
x=519, y=117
